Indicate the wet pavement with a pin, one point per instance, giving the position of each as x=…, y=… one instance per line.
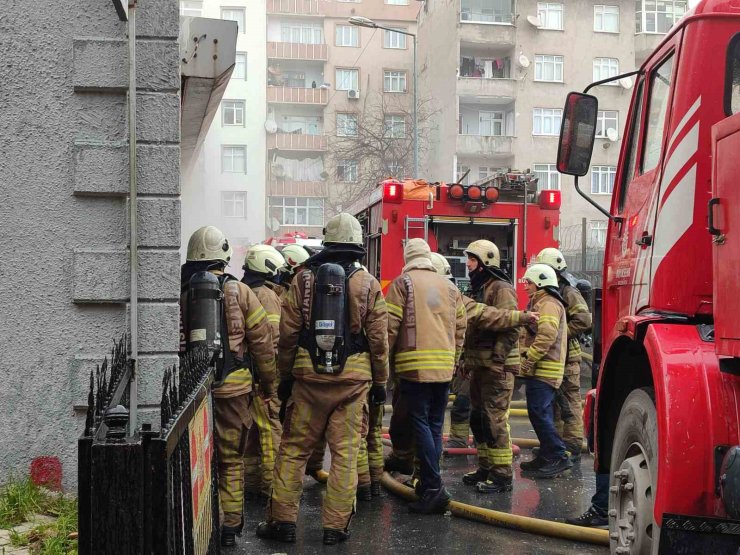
x=385, y=525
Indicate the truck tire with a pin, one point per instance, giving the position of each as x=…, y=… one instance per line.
x=634, y=474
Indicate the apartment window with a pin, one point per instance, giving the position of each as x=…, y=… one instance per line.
x=485, y=171
x=606, y=119
x=602, y=180
x=191, y=8
x=346, y=125
x=301, y=33
x=461, y=169
x=234, y=159
x=395, y=127
x=597, y=233
x=550, y=15
x=347, y=35
x=298, y=210
x=547, y=121
x=305, y=125
x=234, y=14
x=392, y=39
x=240, y=66
x=347, y=79
x=548, y=68
x=232, y=112
x=605, y=68
x=491, y=124
x=548, y=176
x=233, y=204
x=397, y=2
x=487, y=11
x=347, y=171
x=394, y=81
x=659, y=16
x=606, y=19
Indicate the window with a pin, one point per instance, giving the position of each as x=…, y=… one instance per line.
x=306, y=125
x=347, y=35
x=606, y=19
x=232, y=112
x=487, y=11
x=629, y=167
x=732, y=85
x=461, y=169
x=233, y=204
x=297, y=210
x=491, y=124
x=606, y=119
x=302, y=33
x=240, y=66
x=234, y=14
x=548, y=176
x=602, y=180
x=392, y=39
x=346, y=125
x=660, y=86
x=394, y=81
x=395, y=169
x=191, y=8
x=234, y=159
x=548, y=68
x=485, y=171
x=547, y=121
x=347, y=171
x=597, y=233
x=659, y=16
x=551, y=15
x=395, y=127
x=397, y=2
x=605, y=68
x=347, y=79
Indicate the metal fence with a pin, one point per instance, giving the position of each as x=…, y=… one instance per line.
x=583, y=248
x=149, y=491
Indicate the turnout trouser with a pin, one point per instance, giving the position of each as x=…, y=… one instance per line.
x=460, y=412
x=400, y=431
x=316, y=410
x=370, y=462
x=568, y=411
x=263, y=441
x=316, y=460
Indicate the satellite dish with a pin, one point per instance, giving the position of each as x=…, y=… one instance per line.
x=271, y=126
x=534, y=20
x=524, y=61
x=274, y=225
x=626, y=82
x=278, y=170
x=324, y=175
x=611, y=134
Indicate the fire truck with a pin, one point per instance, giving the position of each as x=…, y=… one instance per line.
x=293, y=238
x=667, y=413
x=505, y=208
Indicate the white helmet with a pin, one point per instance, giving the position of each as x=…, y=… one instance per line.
x=343, y=228
x=264, y=259
x=441, y=265
x=485, y=251
x=541, y=275
x=209, y=243
x=552, y=257
x=295, y=255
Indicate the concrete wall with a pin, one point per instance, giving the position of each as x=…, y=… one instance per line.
x=64, y=213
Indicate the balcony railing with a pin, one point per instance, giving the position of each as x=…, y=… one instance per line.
x=294, y=7
x=295, y=95
x=297, y=141
x=482, y=145
x=296, y=51
x=478, y=86
x=289, y=188
x=502, y=35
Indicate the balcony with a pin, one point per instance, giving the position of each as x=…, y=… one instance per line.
x=297, y=141
x=480, y=145
x=294, y=7
x=503, y=89
x=296, y=95
x=493, y=35
x=296, y=51
x=645, y=43
x=288, y=188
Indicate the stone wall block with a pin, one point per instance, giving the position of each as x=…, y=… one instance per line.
x=158, y=18
x=159, y=222
x=158, y=117
x=159, y=275
x=159, y=327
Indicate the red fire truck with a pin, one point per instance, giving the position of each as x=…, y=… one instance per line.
x=505, y=208
x=668, y=394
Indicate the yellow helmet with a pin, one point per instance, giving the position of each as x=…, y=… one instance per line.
x=541, y=275
x=343, y=228
x=552, y=257
x=209, y=243
x=264, y=259
x=485, y=251
x=441, y=264
x=295, y=255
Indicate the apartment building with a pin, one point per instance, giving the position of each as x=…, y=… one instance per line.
x=323, y=74
x=501, y=75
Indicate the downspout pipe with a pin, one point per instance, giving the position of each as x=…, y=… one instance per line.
x=133, y=219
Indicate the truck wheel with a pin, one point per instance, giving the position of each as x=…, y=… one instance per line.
x=633, y=481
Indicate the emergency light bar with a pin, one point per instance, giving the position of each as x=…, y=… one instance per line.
x=549, y=199
x=473, y=193
x=392, y=191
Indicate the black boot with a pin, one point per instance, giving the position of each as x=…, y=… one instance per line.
x=333, y=537
x=364, y=493
x=229, y=534
x=593, y=518
x=574, y=452
x=495, y=484
x=472, y=478
x=533, y=465
x=434, y=501
x=375, y=488
x=394, y=464
x=280, y=531
x=553, y=469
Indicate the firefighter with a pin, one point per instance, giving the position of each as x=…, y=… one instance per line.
x=426, y=331
x=568, y=410
x=250, y=345
x=543, y=365
x=492, y=359
x=261, y=265
x=325, y=385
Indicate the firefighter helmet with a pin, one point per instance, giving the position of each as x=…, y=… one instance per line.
x=541, y=275
x=209, y=243
x=264, y=259
x=343, y=228
x=485, y=251
x=295, y=255
x=553, y=258
x=441, y=264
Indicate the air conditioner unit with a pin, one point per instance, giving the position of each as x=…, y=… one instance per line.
x=353, y=94
x=460, y=244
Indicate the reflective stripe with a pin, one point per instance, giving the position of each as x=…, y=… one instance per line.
x=545, y=318
x=239, y=377
x=395, y=310
x=254, y=318
x=460, y=311
x=549, y=364
x=442, y=354
x=412, y=367
x=501, y=457
x=273, y=318
x=577, y=308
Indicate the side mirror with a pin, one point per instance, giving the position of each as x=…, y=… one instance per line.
x=577, y=134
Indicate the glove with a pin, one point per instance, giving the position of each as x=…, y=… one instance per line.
x=377, y=395
x=267, y=390
x=285, y=388
x=281, y=414
x=527, y=368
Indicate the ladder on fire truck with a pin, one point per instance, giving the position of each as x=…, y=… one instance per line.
x=421, y=224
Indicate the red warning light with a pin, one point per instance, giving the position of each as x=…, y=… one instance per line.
x=474, y=192
x=491, y=194
x=456, y=191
